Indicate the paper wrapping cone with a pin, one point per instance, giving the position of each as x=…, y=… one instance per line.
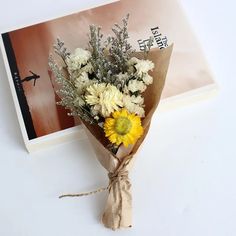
x=118, y=209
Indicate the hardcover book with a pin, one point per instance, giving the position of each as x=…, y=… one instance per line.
x=26, y=51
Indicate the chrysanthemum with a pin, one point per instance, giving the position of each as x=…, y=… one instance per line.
x=136, y=85
x=77, y=59
x=143, y=66
x=82, y=82
x=87, y=68
x=123, y=127
x=131, y=62
x=134, y=104
x=105, y=98
x=147, y=79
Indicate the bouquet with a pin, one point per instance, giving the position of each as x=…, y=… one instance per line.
x=114, y=91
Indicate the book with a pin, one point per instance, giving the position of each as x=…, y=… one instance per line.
x=26, y=50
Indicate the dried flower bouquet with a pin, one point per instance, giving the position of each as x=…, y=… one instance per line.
x=114, y=91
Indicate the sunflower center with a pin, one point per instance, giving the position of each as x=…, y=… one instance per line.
x=122, y=125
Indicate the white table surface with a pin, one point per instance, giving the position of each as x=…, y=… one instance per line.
x=185, y=174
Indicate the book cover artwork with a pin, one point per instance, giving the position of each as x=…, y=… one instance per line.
x=26, y=52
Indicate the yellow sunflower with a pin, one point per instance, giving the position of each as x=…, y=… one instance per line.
x=123, y=127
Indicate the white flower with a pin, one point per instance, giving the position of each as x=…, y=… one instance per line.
x=87, y=68
x=77, y=59
x=82, y=55
x=125, y=90
x=147, y=79
x=105, y=98
x=137, y=99
x=131, y=62
x=96, y=117
x=136, y=85
x=94, y=91
x=134, y=104
x=140, y=66
x=143, y=66
x=82, y=82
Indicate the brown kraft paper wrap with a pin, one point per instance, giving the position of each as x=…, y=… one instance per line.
x=118, y=209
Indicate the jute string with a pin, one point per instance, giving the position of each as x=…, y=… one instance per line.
x=118, y=175
x=113, y=178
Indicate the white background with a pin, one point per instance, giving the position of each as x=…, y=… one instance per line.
x=184, y=180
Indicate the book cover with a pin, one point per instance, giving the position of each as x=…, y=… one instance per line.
x=26, y=52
